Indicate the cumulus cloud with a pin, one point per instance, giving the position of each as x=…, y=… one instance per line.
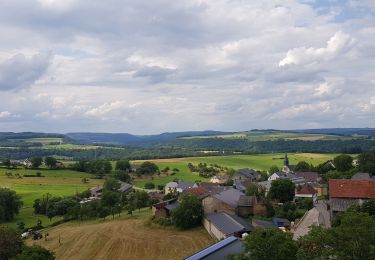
x=336, y=45
x=20, y=71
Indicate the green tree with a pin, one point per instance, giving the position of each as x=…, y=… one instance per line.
x=10, y=204
x=50, y=161
x=122, y=176
x=36, y=161
x=366, y=162
x=271, y=243
x=123, y=165
x=110, y=200
x=111, y=184
x=273, y=169
x=282, y=190
x=149, y=185
x=35, y=253
x=302, y=166
x=255, y=189
x=189, y=212
x=6, y=163
x=147, y=168
x=343, y=162
x=10, y=243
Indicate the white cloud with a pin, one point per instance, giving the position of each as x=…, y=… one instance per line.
x=336, y=45
x=5, y=114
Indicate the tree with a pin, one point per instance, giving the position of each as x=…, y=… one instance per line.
x=111, y=184
x=189, y=212
x=36, y=161
x=149, y=185
x=123, y=165
x=282, y=190
x=6, y=163
x=366, y=162
x=255, y=189
x=10, y=204
x=147, y=168
x=122, y=176
x=110, y=200
x=35, y=253
x=271, y=243
x=10, y=243
x=50, y=161
x=274, y=169
x=302, y=166
x=343, y=162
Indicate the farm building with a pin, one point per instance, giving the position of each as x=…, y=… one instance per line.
x=222, y=225
x=220, y=250
x=163, y=209
x=306, y=191
x=231, y=201
x=178, y=186
x=247, y=174
x=219, y=179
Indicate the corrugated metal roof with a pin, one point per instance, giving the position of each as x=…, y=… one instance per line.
x=229, y=224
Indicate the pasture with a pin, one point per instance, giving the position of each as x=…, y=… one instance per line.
x=55, y=182
x=126, y=237
x=256, y=162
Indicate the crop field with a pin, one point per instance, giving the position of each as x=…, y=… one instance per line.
x=256, y=162
x=256, y=136
x=123, y=238
x=55, y=182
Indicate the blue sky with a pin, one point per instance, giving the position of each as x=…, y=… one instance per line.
x=154, y=66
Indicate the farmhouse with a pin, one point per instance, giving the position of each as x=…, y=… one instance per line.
x=345, y=193
x=222, y=225
x=178, y=186
x=96, y=191
x=163, y=209
x=221, y=250
x=306, y=191
x=200, y=192
x=247, y=174
x=231, y=201
x=309, y=176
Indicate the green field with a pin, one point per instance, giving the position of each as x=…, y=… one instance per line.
x=256, y=136
x=55, y=182
x=256, y=162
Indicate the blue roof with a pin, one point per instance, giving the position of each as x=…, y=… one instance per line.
x=220, y=250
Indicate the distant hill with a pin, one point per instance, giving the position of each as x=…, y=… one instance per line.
x=337, y=131
x=137, y=140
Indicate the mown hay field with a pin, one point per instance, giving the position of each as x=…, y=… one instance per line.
x=123, y=238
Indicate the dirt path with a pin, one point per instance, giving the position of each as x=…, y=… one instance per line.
x=123, y=239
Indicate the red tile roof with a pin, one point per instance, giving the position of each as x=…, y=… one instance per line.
x=199, y=191
x=351, y=189
x=307, y=189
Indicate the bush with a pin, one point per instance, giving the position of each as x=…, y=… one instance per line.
x=149, y=185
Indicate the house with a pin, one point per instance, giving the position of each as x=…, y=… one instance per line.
x=321, y=189
x=266, y=185
x=96, y=191
x=222, y=225
x=306, y=191
x=219, y=179
x=220, y=250
x=178, y=186
x=247, y=174
x=346, y=193
x=361, y=176
x=200, y=192
x=309, y=176
x=163, y=209
x=287, y=175
x=27, y=163
x=212, y=188
x=231, y=201
x=281, y=222
x=125, y=187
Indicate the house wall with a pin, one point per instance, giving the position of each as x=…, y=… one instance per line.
x=273, y=177
x=213, y=230
x=260, y=210
x=212, y=205
x=322, y=191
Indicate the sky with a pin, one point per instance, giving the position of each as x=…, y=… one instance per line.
x=148, y=67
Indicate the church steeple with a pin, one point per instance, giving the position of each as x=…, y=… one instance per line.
x=286, y=160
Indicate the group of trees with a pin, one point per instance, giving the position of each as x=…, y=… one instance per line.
x=353, y=238
x=97, y=167
x=12, y=247
x=10, y=204
x=147, y=168
x=189, y=212
x=204, y=170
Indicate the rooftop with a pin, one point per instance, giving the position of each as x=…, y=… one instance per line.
x=232, y=197
x=351, y=188
x=229, y=224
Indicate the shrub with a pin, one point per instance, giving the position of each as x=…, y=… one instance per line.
x=149, y=185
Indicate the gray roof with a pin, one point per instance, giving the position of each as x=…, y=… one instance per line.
x=261, y=224
x=342, y=204
x=239, y=185
x=185, y=185
x=230, y=197
x=220, y=250
x=361, y=176
x=248, y=173
x=172, y=205
x=229, y=224
x=125, y=187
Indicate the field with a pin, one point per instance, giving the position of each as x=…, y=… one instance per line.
x=256, y=136
x=257, y=162
x=55, y=182
x=123, y=238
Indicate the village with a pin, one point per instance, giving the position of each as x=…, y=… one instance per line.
x=231, y=212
